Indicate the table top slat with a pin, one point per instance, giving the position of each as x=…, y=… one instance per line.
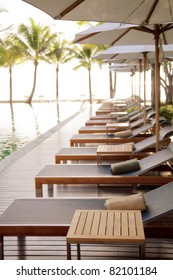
x=132, y=224
x=81, y=223
x=110, y=224
x=95, y=225
x=102, y=223
x=139, y=226
x=89, y=223
x=124, y=224
x=117, y=222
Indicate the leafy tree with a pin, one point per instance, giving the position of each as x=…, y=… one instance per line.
x=167, y=82
x=85, y=54
x=10, y=55
x=36, y=39
x=59, y=54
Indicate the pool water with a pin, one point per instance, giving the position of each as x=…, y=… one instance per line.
x=22, y=123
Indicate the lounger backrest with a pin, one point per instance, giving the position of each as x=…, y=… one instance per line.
x=136, y=123
x=141, y=129
x=165, y=132
x=139, y=114
x=148, y=142
x=156, y=159
x=159, y=203
x=152, y=161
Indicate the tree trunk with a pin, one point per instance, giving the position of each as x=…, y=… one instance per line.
x=152, y=86
x=29, y=100
x=57, y=83
x=170, y=90
x=11, y=91
x=90, y=91
x=111, y=86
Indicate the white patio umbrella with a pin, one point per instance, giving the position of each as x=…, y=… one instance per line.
x=153, y=16
x=136, y=11
x=134, y=52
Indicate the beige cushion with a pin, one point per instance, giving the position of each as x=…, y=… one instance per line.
x=125, y=166
x=123, y=134
x=123, y=119
x=130, y=202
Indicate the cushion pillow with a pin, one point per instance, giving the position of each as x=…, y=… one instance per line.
x=125, y=166
x=133, y=145
x=123, y=119
x=123, y=134
x=130, y=202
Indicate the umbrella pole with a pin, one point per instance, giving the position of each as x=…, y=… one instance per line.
x=145, y=69
x=157, y=85
x=140, y=70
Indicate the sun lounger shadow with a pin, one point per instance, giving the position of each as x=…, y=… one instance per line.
x=90, y=153
x=102, y=174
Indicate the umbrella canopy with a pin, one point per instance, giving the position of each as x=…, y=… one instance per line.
x=136, y=12
x=130, y=52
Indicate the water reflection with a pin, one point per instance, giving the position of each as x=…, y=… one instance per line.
x=21, y=123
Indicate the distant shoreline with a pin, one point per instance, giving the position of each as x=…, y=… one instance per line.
x=49, y=101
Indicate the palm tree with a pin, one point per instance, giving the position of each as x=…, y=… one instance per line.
x=10, y=55
x=59, y=54
x=36, y=40
x=85, y=54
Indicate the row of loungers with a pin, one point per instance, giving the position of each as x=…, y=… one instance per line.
x=153, y=171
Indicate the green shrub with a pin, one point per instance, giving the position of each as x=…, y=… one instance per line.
x=167, y=112
x=129, y=110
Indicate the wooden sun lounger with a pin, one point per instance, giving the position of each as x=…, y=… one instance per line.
x=105, y=121
x=101, y=174
x=111, y=127
x=138, y=134
x=53, y=216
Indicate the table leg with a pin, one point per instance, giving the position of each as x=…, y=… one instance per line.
x=142, y=251
x=78, y=251
x=68, y=251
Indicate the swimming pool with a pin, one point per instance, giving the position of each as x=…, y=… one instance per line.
x=22, y=123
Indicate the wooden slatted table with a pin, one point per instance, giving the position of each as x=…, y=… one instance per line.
x=118, y=126
x=106, y=226
x=124, y=149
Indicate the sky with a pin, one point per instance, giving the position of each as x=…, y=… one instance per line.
x=19, y=11
x=72, y=83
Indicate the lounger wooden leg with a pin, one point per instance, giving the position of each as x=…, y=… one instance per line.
x=134, y=188
x=50, y=186
x=2, y=248
x=38, y=188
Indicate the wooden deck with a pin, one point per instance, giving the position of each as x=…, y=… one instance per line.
x=17, y=174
